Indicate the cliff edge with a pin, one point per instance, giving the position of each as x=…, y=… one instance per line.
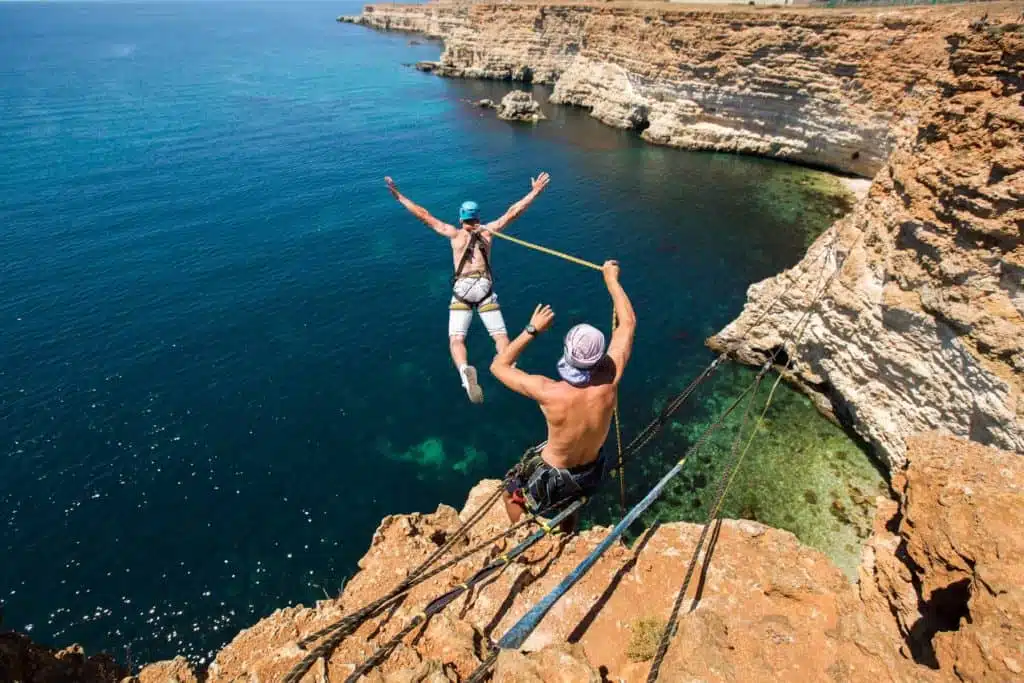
x=940, y=596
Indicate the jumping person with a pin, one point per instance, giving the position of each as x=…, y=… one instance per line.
x=473, y=282
x=578, y=408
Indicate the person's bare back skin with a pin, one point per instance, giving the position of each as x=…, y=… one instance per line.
x=460, y=242
x=578, y=409
x=578, y=422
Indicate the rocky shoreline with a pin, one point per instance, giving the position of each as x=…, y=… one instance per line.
x=831, y=89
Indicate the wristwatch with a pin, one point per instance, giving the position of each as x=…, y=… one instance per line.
x=531, y=330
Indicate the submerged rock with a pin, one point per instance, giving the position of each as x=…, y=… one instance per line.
x=519, y=106
x=426, y=67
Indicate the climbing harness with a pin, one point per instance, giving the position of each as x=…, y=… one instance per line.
x=535, y=485
x=463, y=299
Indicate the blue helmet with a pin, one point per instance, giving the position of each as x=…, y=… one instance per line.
x=469, y=211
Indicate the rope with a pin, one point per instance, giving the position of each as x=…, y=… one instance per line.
x=481, y=672
x=345, y=626
x=723, y=486
x=411, y=579
x=796, y=334
x=439, y=603
x=652, y=428
x=655, y=425
x=545, y=250
x=618, y=438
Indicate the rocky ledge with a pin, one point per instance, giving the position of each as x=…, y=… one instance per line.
x=940, y=597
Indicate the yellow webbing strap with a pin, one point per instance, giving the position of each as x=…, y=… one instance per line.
x=545, y=250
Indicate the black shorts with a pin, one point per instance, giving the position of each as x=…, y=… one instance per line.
x=542, y=489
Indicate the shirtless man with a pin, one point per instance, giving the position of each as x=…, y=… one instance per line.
x=578, y=409
x=472, y=283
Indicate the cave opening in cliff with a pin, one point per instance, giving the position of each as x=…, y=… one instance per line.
x=942, y=612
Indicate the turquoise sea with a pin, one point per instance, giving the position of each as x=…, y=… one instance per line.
x=224, y=356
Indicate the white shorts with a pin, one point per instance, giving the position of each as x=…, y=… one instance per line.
x=460, y=314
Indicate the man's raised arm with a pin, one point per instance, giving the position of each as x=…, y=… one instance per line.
x=622, y=337
x=503, y=365
x=516, y=210
x=438, y=226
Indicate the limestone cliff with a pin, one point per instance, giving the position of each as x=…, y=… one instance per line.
x=940, y=597
x=828, y=88
x=922, y=328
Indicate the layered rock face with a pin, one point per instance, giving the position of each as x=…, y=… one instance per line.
x=921, y=326
x=433, y=20
x=834, y=89
x=940, y=597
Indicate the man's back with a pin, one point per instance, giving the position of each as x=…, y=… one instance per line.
x=460, y=243
x=578, y=422
x=578, y=409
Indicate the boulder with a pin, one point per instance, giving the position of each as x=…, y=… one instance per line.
x=519, y=106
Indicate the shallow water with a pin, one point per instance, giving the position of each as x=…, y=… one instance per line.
x=224, y=356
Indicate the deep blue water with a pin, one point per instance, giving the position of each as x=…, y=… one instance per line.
x=224, y=355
